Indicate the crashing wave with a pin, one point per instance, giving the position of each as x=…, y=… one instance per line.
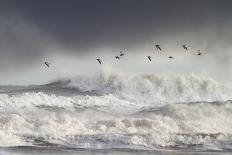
x=107, y=121
x=119, y=111
x=151, y=88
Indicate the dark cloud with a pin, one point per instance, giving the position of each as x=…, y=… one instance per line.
x=88, y=23
x=21, y=43
x=28, y=27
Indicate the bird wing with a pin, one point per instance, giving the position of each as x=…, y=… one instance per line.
x=99, y=61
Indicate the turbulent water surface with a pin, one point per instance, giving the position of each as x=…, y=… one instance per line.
x=136, y=113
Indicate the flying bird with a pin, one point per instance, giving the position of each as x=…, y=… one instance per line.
x=99, y=60
x=199, y=52
x=117, y=57
x=158, y=47
x=185, y=47
x=47, y=64
x=121, y=53
x=171, y=57
x=149, y=57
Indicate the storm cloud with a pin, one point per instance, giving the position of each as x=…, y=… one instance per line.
x=29, y=29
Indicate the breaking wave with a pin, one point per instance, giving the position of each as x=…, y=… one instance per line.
x=119, y=111
x=150, y=88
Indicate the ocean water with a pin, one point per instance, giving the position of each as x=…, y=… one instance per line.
x=117, y=114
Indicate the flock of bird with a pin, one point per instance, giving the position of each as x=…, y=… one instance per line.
x=185, y=47
x=121, y=54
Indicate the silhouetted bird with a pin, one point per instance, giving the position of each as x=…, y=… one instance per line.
x=158, y=47
x=149, y=57
x=199, y=52
x=99, y=60
x=47, y=64
x=170, y=57
x=117, y=57
x=121, y=54
x=185, y=47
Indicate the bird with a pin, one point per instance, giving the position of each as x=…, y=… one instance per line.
x=149, y=57
x=185, y=47
x=47, y=63
x=117, y=57
x=199, y=52
x=158, y=47
x=121, y=53
x=171, y=57
x=99, y=60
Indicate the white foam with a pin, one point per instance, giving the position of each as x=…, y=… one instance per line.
x=128, y=110
x=150, y=88
x=107, y=118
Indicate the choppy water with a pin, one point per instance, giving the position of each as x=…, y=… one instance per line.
x=155, y=114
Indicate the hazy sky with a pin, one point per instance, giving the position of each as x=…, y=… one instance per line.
x=71, y=34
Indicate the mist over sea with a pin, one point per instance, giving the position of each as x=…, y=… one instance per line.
x=117, y=114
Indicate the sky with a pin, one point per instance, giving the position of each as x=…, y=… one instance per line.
x=72, y=34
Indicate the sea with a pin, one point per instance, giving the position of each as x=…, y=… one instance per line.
x=117, y=114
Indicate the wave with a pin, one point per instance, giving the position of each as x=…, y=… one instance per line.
x=107, y=122
x=151, y=88
x=140, y=88
x=119, y=111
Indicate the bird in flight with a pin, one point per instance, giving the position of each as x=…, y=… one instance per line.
x=171, y=57
x=47, y=64
x=199, y=52
x=117, y=57
x=149, y=57
x=99, y=60
x=121, y=53
x=185, y=47
x=158, y=47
